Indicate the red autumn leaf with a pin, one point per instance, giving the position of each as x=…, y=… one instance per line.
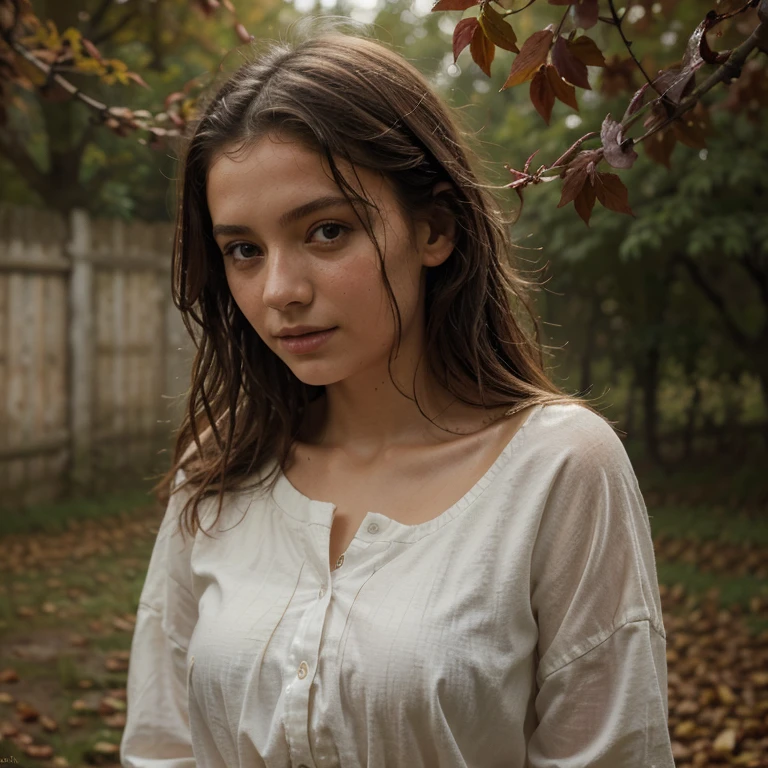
x=542, y=95
x=498, y=31
x=586, y=51
x=586, y=13
x=482, y=50
x=530, y=160
x=454, y=5
x=612, y=193
x=173, y=97
x=637, y=101
x=612, y=137
x=675, y=83
x=569, y=67
x=532, y=55
x=207, y=6
x=618, y=76
x=692, y=127
x=575, y=178
x=585, y=202
x=93, y=51
x=562, y=90
x=243, y=33
x=462, y=35
x=137, y=79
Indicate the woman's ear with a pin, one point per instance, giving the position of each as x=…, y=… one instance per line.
x=437, y=229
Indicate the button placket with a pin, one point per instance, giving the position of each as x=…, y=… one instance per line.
x=303, y=660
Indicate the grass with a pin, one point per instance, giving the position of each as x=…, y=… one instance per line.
x=733, y=481
x=734, y=590
x=56, y=682
x=53, y=517
x=709, y=523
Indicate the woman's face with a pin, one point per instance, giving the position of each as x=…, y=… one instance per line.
x=295, y=253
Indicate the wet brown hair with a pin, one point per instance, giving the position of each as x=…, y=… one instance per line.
x=353, y=101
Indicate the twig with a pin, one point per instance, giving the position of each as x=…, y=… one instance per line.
x=618, y=22
x=116, y=27
x=566, y=156
x=73, y=90
x=527, y=5
x=562, y=21
x=727, y=71
x=97, y=16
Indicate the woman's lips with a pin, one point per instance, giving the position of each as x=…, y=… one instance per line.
x=308, y=342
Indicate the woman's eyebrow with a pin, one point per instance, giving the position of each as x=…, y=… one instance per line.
x=289, y=217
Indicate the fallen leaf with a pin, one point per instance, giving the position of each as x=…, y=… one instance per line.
x=39, y=751
x=725, y=742
x=27, y=712
x=48, y=724
x=9, y=675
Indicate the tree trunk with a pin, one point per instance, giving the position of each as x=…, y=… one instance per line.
x=649, y=382
x=690, y=424
x=629, y=418
x=588, y=350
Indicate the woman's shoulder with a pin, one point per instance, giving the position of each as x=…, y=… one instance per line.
x=575, y=433
x=575, y=418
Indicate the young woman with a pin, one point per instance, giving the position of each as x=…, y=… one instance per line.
x=406, y=546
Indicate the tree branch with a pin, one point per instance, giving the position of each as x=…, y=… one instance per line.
x=758, y=275
x=14, y=151
x=97, y=16
x=716, y=300
x=72, y=90
x=727, y=71
x=628, y=44
x=115, y=28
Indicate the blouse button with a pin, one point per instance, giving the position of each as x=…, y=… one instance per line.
x=321, y=592
x=303, y=669
x=373, y=528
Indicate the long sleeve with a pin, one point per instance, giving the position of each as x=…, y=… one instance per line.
x=157, y=731
x=602, y=675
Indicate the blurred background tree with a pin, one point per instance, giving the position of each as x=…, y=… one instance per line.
x=663, y=317
x=52, y=152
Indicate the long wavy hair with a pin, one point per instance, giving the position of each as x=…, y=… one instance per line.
x=353, y=100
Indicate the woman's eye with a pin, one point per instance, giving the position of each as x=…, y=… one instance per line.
x=240, y=251
x=327, y=233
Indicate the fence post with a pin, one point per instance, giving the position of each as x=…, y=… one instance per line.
x=81, y=347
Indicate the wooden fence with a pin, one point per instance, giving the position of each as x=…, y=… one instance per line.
x=93, y=355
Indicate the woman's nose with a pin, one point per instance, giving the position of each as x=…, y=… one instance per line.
x=286, y=280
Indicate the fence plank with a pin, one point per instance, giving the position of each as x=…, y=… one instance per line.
x=4, y=368
x=88, y=348
x=81, y=349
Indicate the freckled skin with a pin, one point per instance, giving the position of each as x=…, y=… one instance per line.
x=322, y=269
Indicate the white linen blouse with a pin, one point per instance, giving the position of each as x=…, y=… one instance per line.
x=521, y=628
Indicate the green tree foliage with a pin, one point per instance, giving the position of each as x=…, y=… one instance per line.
x=154, y=55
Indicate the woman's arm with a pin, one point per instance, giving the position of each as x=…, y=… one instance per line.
x=157, y=731
x=602, y=674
